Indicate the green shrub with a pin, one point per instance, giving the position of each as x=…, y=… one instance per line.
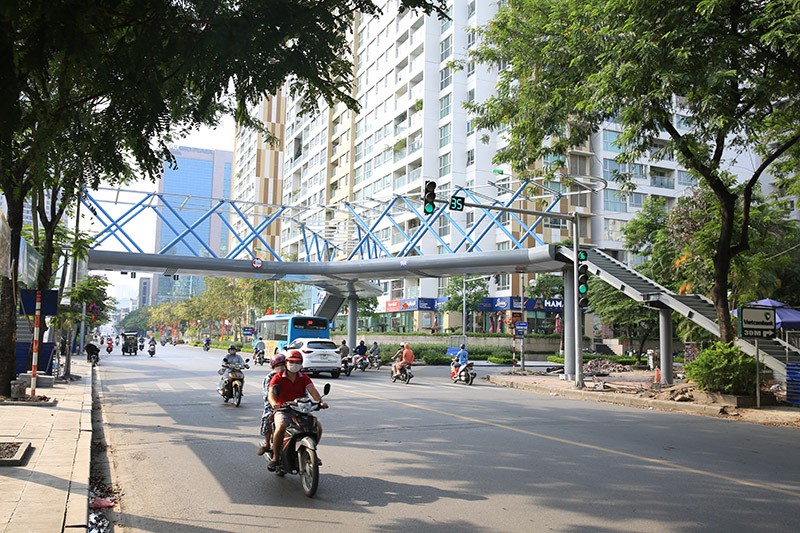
x=500, y=360
x=555, y=359
x=436, y=360
x=723, y=368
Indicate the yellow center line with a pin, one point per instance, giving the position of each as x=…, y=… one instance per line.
x=659, y=462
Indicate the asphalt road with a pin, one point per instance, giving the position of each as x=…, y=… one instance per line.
x=434, y=456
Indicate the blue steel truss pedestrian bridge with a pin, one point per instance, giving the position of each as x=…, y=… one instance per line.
x=348, y=269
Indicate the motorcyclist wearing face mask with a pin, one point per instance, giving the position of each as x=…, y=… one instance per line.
x=286, y=386
x=232, y=357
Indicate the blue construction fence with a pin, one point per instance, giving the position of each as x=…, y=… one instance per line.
x=793, y=384
x=45, y=363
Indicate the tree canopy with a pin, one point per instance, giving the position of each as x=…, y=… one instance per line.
x=712, y=82
x=126, y=77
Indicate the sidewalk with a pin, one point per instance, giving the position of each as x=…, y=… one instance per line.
x=553, y=385
x=49, y=491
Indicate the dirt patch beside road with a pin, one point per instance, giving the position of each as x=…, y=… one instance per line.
x=640, y=383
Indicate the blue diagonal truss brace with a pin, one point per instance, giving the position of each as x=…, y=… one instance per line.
x=365, y=243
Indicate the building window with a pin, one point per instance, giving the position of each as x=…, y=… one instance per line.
x=447, y=21
x=612, y=230
x=470, y=157
x=636, y=170
x=445, y=105
x=470, y=219
x=471, y=8
x=470, y=68
x=610, y=141
x=580, y=199
x=504, y=282
x=636, y=199
x=555, y=223
x=661, y=178
x=471, y=95
x=444, y=226
x=470, y=127
x=444, y=135
x=470, y=38
x=442, y=290
x=686, y=178
x=659, y=151
x=444, y=165
x=446, y=48
x=614, y=201
x=445, y=77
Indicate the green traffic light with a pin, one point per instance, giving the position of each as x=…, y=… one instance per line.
x=582, y=255
x=428, y=209
x=583, y=289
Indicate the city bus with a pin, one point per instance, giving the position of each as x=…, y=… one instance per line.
x=278, y=330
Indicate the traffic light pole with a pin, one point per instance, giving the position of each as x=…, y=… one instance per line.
x=578, y=324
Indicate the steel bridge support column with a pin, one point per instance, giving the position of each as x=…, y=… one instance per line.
x=352, y=321
x=568, y=329
x=665, y=344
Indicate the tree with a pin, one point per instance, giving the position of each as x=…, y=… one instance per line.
x=715, y=80
x=613, y=307
x=476, y=290
x=546, y=286
x=137, y=320
x=129, y=76
x=368, y=307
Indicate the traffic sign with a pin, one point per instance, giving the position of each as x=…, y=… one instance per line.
x=756, y=322
x=520, y=329
x=257, y=263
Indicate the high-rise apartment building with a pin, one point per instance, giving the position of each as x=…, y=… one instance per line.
x=200, y=177
x=258, y=163
x=412, y=128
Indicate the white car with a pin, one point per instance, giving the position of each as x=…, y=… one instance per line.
x=319, y=355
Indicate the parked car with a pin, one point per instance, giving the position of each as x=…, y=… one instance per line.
x=319, y=355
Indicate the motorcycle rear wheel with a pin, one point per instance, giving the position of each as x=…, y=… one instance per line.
x=237, y=394
x=309, y=470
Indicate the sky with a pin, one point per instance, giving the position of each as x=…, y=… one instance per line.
x=222, y=138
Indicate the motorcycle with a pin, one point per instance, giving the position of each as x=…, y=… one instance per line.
x=347, y=365
x=374, y=361
x=405, y=375
x=141, y=344
x=233, y=388
x=206, y=347
x=466, y=374
x=152, y=349
x=94, y=358
x=163, y=342
x=109, y=348
x=298, y=453
x=361, y=363
x=259, y=358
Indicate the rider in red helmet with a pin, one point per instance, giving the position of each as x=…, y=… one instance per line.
x=286, y=386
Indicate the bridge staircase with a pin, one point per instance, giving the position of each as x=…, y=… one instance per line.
x=330, y=306
x=699, y=309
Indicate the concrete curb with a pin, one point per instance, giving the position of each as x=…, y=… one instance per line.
x=76, y=516
x=609, y=397
x=19, y=457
